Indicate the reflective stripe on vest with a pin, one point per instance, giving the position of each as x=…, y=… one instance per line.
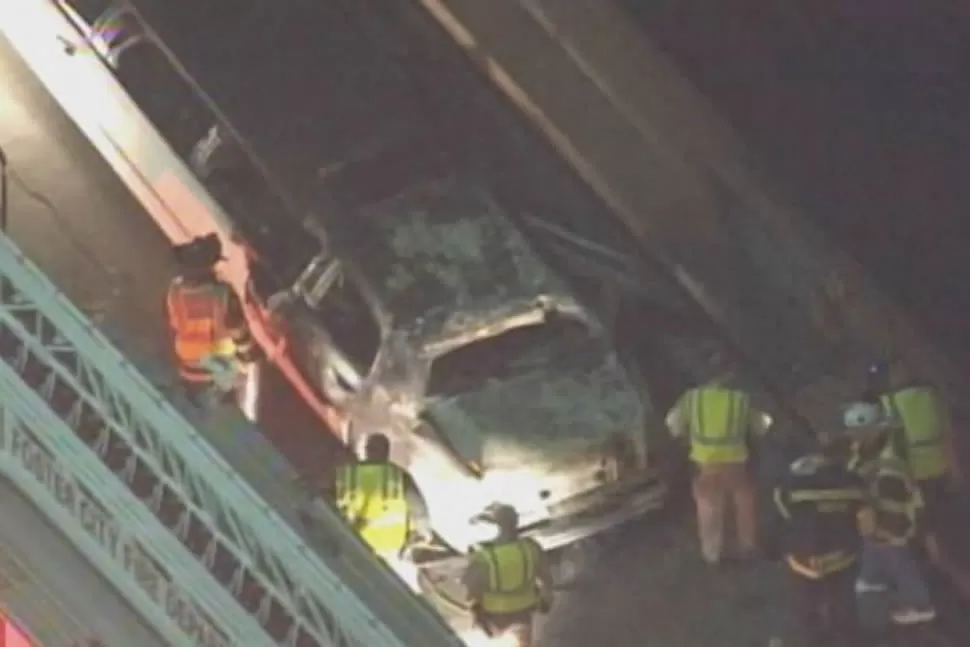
x=512, y=572
x=815, y=568
x=920, y=412
x=373, y=499
x=718, y=418
x=197, y=316
x=886, y=510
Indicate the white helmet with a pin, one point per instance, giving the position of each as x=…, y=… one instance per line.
x=863, y=414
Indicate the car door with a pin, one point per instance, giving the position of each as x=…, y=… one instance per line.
x=345, y=333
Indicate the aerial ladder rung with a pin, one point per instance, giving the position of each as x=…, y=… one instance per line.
x=314, y=585
x=71, y=413
x=287, y=593
x=74, y=396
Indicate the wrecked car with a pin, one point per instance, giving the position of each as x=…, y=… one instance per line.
x=428, y=317
x=439, y=325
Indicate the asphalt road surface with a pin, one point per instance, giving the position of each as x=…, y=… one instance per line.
x=50, y=587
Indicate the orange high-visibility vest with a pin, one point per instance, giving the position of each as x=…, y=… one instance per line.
x=197, y=316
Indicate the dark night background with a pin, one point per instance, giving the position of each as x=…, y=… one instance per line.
x=861, y=109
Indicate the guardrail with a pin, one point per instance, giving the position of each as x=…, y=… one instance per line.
x=45, y=412
x=153, y=505
x=272, y=570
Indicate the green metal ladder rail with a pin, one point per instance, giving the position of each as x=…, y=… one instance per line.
x=260, y=583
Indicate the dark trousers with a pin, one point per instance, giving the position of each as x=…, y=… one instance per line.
x=205, y=395
x=826, y=608
x=938, y=499
x=896, y=570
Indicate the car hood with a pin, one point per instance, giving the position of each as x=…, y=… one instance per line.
x=558, y=414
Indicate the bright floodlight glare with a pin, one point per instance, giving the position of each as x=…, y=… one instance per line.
x=48, y=46
x=477, y=638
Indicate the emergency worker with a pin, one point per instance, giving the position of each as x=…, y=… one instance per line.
x=925, y=438
x=379, y=500
x=211, y=338
x=892, y=524
x=508, y=581
x=819, y=501
x=717, y=420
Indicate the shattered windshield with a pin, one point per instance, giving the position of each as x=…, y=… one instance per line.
x=511, y=353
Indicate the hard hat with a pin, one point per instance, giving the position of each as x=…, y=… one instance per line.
x=201, y=252
x=878, y=369
x=377, y=447
x=863, y=415
x=502, y=515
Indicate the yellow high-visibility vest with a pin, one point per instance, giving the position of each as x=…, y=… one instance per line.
x=373, y=499
x=890, y=521
x=718, y=420
x=922, y=416
x=512, y=571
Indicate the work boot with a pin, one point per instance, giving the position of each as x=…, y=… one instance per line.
x=907, y=617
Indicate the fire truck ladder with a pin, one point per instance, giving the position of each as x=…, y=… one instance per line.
x=160, y=512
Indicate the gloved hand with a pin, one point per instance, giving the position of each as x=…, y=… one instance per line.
x=252, y=355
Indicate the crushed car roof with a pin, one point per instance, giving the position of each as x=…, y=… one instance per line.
x=444, y=250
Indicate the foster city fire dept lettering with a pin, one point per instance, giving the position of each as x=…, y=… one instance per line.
x=102, y=527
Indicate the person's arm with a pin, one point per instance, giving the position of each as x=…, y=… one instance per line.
x=238, y=327
x=320, y=491
x=677, y=421
x=781, y=496
x=957, y=475
x=475, y=579
x=419, y=518
x=544, y=578
x=167, y=309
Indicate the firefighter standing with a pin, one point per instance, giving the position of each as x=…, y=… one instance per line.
x=925, y=438
x=508, y=581
x=892, y=523
x=379, y=500
x=819, y=501
x=211, y=338
x=717, y=418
